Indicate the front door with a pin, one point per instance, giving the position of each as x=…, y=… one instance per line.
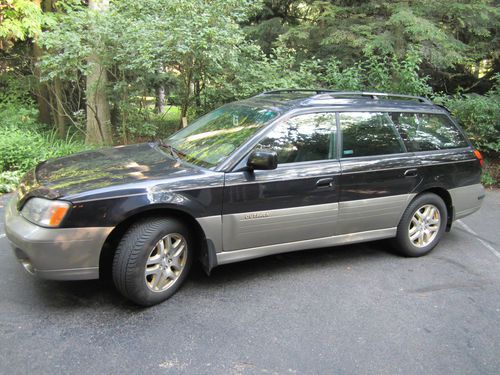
x=297, y=201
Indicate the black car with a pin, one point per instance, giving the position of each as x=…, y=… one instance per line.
x=282, y=171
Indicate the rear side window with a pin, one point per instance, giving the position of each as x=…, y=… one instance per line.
x=427, y=132
x=368, y=133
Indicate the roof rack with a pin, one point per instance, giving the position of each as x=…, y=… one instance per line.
x=373, y=95
x=331, y=94
x=282, y=91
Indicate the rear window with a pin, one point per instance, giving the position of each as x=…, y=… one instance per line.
x=368, y=133
x=427, y=132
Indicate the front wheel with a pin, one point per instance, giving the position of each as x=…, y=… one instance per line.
x=422, y=225
x=152, y=260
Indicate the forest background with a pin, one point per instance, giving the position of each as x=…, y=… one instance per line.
x=79, y=74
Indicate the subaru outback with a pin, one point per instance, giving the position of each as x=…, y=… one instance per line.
x=283, y=171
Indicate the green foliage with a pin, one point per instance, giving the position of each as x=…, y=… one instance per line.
x=166, y=123
x=18, y=116
x=146, y=126
x=479, y=115
x=488, y=180
x=378, y=74
x=206, y=53
x=455, y=39
x=19, y=19
x=9, y=180
x=69, y=44
x=22, y=149
x=146, y=43
x=24, y=143
x=256, y=72
x=14, y=90
x=349, y=78
x=444, y=32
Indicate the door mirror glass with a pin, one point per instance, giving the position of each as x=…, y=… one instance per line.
x=264, y=160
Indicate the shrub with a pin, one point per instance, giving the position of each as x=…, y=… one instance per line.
x=9, y=180
x=20, y=149
x=24, y=143
x=479, y=115
x=18, y=116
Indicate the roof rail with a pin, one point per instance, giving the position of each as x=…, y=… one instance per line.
x=330, y=94
x=373, y=95
x=282, y=91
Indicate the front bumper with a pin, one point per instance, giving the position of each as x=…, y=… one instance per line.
x=55, y=253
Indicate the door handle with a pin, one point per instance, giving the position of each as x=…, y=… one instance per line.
x=325, y=182
x=411, y=173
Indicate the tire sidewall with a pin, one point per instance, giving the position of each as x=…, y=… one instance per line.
x=137, y=289
x=405, y=246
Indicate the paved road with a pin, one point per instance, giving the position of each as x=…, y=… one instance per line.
x=348, y=310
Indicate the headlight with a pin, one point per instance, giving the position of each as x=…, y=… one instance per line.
x=45, y=212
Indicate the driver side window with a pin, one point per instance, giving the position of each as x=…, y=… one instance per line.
x=303, y=138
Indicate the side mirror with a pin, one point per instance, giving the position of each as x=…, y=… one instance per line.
x=264, y=160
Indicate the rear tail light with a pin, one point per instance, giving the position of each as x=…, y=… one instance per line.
x=479, y=157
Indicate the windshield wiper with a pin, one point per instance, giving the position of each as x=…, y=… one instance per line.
x=170, y=149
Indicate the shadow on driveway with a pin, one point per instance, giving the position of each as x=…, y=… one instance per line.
x=101, y=293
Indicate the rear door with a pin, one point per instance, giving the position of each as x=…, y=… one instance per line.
x=378, y=175
x=297, y=201
x=447, y=160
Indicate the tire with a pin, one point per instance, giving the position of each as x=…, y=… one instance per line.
x=145, y=268
x=420, y=229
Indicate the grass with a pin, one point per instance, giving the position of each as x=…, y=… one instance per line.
x=168, y=122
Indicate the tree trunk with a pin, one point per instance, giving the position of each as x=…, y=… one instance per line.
x=187, y=72
x=160, y=99
x=98, y=110
x=42, y=91
x=197, y=93
x=60, y=117
x=184, y=110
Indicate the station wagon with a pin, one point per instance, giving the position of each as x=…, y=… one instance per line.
x=283, y=171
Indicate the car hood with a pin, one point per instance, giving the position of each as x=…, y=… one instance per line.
x=92, y=170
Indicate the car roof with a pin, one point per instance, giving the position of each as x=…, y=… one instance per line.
x=288, y=99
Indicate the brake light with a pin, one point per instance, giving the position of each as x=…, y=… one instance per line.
x=479, y=157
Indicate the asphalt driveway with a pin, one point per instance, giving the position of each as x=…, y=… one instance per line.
x=355, y=309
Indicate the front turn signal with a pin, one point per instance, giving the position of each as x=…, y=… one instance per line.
x=57, y=216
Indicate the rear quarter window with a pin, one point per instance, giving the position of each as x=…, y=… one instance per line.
x=427, y=132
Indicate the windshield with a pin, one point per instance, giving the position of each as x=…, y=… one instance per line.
x=211, y=139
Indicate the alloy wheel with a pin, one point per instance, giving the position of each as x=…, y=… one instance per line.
x=424, y=225
x=166, y=262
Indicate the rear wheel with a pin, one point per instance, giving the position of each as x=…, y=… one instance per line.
x=152, y=260
x=422, y=225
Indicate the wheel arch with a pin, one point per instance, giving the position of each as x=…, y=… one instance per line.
x=109, y=247
x=446, y=197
